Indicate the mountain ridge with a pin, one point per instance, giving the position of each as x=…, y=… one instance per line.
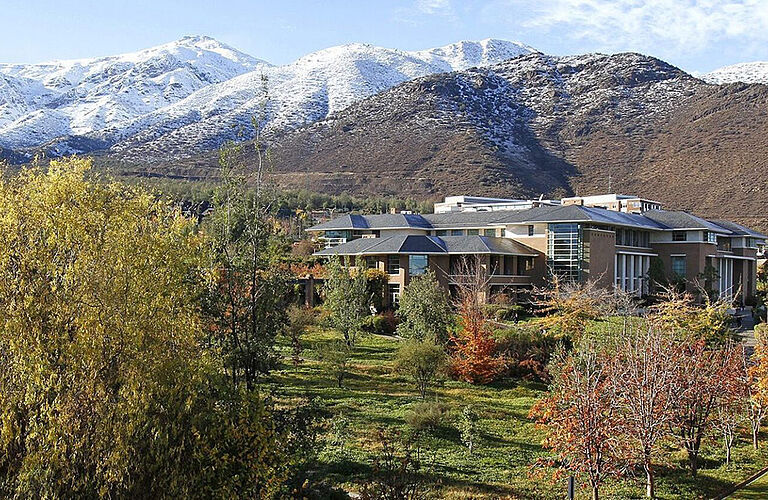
x=199, y=88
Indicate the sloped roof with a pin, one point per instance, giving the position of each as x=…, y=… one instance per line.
x=678, y=219
x=652, y=219
x=738, y=229
x=381, y=221
x=422, y=244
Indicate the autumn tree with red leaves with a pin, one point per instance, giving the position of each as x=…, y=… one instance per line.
x=581, y=417
x=644, y=373
x=704, y=382
x=474, y=357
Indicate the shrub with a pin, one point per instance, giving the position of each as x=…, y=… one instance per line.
x=468, y=426
x=527, y=352
x=396, y=470
x=425, y=416
x=390, y=322
x=381, y=324
x=335, y=357
x=425, y=362
x=299, y=320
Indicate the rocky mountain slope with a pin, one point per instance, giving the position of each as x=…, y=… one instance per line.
x=547, y=125
x=192, y=95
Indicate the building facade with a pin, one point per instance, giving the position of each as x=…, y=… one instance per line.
x=618, y=241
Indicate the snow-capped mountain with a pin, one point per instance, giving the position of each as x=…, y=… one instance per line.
x=193, y=94
x=749, y=72
x=312, y=88
x=40, y=102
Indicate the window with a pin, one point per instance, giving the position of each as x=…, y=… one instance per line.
x=473, y=232
x=679, y=236
x=393, y=264
x=724, y=244
x=678, y=266
x=710, y=237
x=530, y=230
x=370, y=262
x=564, y=251
x=417, y=264
x=394, y=293
x=456, y=232
x=441, y=232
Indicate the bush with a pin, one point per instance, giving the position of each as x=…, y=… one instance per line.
x=504, y=312
x=390, y=322
x=527, y=352
x=428, y=415
x=425, y=362
x=381, y=324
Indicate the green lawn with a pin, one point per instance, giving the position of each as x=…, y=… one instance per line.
x=502, y=465
x=755, y=490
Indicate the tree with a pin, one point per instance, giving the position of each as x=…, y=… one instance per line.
x=757, y=384
x=425, y=313
x=643, y=373
x=569, y=307
x=346, y=299
x=425, y=362
x=731, y=410
x=107, y=388
x=335, y=357
x=299, y=320
x=581, y=416
x=474, y=348
x=703, y=383
x=249, y=300
x=468, y=427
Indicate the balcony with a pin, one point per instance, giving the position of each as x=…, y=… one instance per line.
x=331, y=242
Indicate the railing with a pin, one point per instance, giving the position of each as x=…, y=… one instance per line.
x=332, y=242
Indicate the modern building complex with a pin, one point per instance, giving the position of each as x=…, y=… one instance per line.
x=616, y=240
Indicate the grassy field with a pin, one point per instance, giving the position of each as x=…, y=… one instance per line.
x=502, y=464
x=756, y=490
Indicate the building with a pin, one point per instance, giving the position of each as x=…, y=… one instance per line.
x=612, y=239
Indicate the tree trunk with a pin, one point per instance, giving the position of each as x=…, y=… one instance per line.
x=649, y=485
x=595, y=493
x=728, y=437
x=755, y=431
x=693, y=460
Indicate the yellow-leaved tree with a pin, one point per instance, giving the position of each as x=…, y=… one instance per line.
x=106, y=388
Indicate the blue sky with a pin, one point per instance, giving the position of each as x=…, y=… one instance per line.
x=697, y=35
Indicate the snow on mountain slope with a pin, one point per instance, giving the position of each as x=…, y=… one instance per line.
x=91, y=94
x=464, y=55
x=19, y=96
x=312, y=88
x=195, y=93
x=750, y=72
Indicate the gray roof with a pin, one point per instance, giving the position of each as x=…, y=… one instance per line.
x=678, y=219
x=738, y=229
x=381, y=221
x=652, y=219
x=422, y=244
